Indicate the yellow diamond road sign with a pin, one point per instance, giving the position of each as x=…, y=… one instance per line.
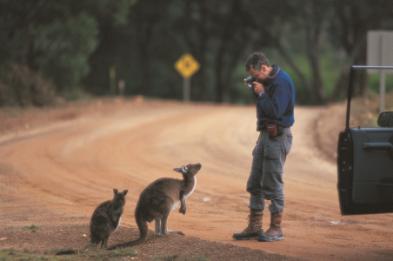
x=187, y=65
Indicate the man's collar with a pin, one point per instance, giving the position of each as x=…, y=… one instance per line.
x=274, y=72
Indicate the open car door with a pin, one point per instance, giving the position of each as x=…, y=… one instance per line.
x=365, y=162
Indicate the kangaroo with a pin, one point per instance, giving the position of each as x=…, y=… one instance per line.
x=105, y=220
x=159, y=198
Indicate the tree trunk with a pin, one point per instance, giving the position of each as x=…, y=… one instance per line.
x=361, y=75
x=313, y=26
x=316, y=78
x=145, y=31
x=200, y=92
x=218, y=68
x=221, y=88
x=357, y=56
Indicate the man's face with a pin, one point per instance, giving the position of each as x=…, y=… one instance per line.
x=260, y=74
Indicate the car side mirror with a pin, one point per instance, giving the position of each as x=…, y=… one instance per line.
x=385, y=119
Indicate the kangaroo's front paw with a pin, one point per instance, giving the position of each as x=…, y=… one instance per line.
x=183, y=210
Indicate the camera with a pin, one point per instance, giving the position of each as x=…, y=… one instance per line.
x=249, y=80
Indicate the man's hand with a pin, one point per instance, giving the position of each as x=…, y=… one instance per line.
x=259, y=89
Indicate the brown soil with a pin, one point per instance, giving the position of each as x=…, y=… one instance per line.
x=172, y=247
x=57, y=164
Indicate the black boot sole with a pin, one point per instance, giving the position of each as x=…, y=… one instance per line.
x=248, y=237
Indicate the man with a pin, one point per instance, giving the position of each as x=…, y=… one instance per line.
x=275, y=94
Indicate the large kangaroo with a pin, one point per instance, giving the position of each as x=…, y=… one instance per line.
x=161, y=197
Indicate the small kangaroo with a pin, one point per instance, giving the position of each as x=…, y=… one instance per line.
x=105, y=220
x=159, y=198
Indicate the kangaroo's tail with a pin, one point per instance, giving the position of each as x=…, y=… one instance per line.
x=143, y=229
x=68, y=251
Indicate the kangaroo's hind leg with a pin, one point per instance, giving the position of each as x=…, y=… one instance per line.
x=164, y=227
x=101, y=244
x=105, y=243
x=158, y=226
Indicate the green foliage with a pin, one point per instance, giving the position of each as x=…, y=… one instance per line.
x=302, y=93
x=122, y=10
x=180, y=258
x=374, y=82
x=75, y=44
x=63, y=47
x=54, y=39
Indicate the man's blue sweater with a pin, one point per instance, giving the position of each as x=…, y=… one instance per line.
x=278, y=101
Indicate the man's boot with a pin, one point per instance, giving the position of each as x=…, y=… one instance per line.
x=274, y=233
x=254, y=228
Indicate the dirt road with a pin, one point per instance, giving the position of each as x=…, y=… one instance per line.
x=57, y=173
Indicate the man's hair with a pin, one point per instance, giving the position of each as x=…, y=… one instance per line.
x=256, y=60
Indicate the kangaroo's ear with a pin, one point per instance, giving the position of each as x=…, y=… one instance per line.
x=125, y=192
x=115, y=191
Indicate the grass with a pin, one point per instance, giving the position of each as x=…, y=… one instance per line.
x=33, y=228
x=11, y=254
x=117, y=254
x=177, y=258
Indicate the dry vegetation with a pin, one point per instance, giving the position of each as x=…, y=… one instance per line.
x=364, y=113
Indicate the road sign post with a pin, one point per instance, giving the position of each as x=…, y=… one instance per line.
x=186, y=89
x=186, y=65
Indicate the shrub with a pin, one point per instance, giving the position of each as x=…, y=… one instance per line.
x=21, y=86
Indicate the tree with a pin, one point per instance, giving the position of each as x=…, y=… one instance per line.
x=55, y=38
x=349, y=32
x=61, y=49
x=313, y=18
x=278, y=25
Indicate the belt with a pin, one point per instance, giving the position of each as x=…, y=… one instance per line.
x=278, y=132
